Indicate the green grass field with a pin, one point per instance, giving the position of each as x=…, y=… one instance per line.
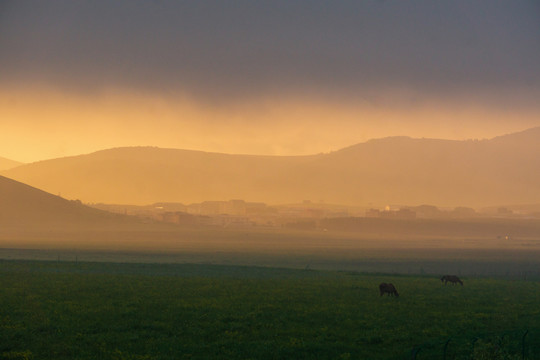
x=68, y=310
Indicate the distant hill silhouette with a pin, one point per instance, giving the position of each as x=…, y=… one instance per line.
x=8, y=164
x=394, y=170
x=22, y=206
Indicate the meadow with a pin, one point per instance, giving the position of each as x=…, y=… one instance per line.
x=91, y=310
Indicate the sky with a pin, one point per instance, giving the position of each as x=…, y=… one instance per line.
x=262, y=77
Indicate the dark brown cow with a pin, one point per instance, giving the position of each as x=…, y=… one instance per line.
x=452, y=278
x=389, y=289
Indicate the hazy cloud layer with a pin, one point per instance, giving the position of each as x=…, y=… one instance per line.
x=262, y=77
x=238, y=49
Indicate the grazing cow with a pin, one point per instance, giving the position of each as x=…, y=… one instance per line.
x=389, y=289
x=452, y=278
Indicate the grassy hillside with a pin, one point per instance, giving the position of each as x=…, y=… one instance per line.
x=27, y=208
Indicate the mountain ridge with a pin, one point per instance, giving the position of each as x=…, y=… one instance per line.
x=400, y=169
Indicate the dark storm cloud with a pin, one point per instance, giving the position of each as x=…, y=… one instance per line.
x=244, y=48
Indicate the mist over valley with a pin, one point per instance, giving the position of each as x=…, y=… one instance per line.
x=424, y=182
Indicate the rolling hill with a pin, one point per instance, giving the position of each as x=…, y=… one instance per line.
x=394, y=170
x=25, y=207
x=6, y=164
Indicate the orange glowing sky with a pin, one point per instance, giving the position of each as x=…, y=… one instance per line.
x=271, y=126
x=268, y=78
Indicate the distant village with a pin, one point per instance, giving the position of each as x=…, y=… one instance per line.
x=307, y=214
x=231, y=213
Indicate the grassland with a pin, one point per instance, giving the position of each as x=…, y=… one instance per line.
x=84, y=310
